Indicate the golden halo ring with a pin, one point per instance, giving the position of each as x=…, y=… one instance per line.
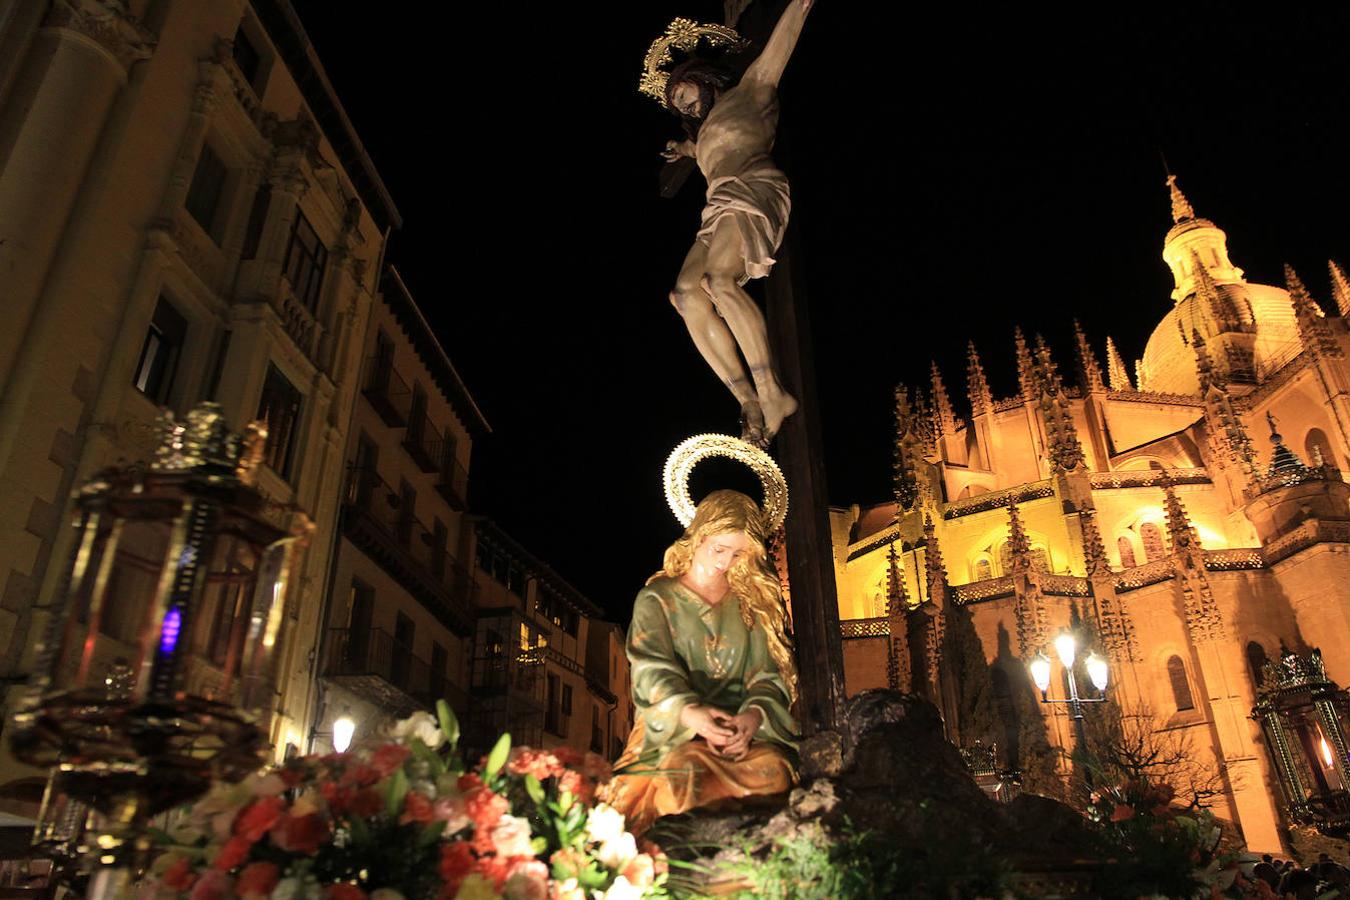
x=694, y=450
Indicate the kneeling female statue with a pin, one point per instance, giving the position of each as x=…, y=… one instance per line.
x=712, y=670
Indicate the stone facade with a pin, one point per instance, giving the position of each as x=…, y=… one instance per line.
x=1192, y=517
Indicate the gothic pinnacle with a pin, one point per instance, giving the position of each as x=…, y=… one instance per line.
x=1025, y=379
x=1181, y=207
x=1178, y=522
x=1340, y=287
x=1203, y=364
x=1116, y=372
x=1313, y=329
x=1087, y=360
x=897, y=598
x=1018, y=543
x=935, y=569
x=1094, y=550
x=977, y=386
x=944, y=419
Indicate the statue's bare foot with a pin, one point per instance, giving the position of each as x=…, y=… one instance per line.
x=752, y=424
x=776, y=409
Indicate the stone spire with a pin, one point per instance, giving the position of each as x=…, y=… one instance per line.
x=1283, y=461
x=1087, y=361
x=1181, y=207
x=1094, y=549
x=1026, y=380
x=897, y=597
x=934, y=568
x=905, y=473
x=1222, y=310
x=1228, y=439
x=1313, y=328
x=1063, y=447
x=1340, y=287
x=1029, y=608
x=1019, y=545
x=944, y=419
x=1113, y=619
x=1204, y=620
x=898, y=676
x=977, y=387
x=1117, y=374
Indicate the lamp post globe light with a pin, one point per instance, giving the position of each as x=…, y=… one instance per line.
x=1066, y=648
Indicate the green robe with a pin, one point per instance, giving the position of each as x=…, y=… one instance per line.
x=682, y=650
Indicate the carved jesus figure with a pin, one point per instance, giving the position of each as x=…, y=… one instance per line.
x=743, y=221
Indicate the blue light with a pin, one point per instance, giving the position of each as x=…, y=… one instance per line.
x=168, y=633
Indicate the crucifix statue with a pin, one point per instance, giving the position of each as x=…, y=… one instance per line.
x=731, y=126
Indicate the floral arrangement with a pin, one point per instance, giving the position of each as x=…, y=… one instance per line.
x=406, y=820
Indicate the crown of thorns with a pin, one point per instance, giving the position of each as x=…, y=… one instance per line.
x=684, y=35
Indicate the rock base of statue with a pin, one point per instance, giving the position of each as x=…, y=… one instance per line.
x=893, y=775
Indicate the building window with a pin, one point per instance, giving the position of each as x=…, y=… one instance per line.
x=983, y=569
x=566, y=699
x=306, y=258
x=279, y=407
x=1126, y=548
x=1181, y=688
x=160, y=352
x=247, y=58
x=1317, y=449
x=257, y=217
x=1151, y=536
x=208, y=184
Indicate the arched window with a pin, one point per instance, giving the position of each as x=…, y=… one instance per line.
x=1040, y=559
x=1152, y=538
x=1316, y=445
x=983, y=569
x=1181, y=688
x=1126, y=548
x=1004, y=558
x=1256, y=661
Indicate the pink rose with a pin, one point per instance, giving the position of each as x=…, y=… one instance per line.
x=527, y=880
x=511, y=837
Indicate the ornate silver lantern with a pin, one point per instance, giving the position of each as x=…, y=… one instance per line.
x=156, y=672
x=1304, y=717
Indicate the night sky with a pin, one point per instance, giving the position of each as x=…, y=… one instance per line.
x=954, y=173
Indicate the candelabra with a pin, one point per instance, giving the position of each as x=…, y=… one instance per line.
x=156, y=672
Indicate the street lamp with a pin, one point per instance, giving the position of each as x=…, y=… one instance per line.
x=343, y=729
x=1066, y=647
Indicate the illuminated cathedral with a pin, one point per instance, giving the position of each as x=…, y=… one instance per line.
x=1188, y=519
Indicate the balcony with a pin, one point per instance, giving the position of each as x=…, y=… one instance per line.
x=387, y=392
x=453, y=481
x=394, y=537
x=424, y=444
x=378, y=668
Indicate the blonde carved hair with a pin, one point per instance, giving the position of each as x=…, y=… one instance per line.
x=752, y=578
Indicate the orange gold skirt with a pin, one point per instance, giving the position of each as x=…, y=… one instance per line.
x=692, y=776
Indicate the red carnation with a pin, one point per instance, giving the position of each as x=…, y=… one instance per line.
x=179, y=876
x=233, y=853
x=257, y=879
x=366, y=804
x=539, y=763
x=456, y=862
x=495, y=868
x=485, y=808
x=416, y=808
x=300, y=834
x=579, y=785
x=468, y=781
x=258, y=817
x=1122, y=812
x=388, y=758
x=361, y=774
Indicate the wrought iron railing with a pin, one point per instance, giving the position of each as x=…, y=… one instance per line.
x=386, y=390
x=861, y=628
x=376, y=662
x=982, y=502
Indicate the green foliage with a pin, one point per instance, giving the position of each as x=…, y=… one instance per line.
x=497, y=758
x=860, y=865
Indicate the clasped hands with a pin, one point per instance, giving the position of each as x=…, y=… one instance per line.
x=728, y=735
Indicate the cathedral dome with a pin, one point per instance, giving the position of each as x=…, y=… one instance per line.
x=1214, y=299
x=1168, y=365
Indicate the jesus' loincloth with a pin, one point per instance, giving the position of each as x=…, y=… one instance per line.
x=757, y=201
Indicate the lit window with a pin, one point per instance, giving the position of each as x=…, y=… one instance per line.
x=159, y=354
x=1126, y=547
x=983, y=569
x=279, y=407
x=306, y=258
x=1151, y=536
x=524, y=636
x=1181, y=688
